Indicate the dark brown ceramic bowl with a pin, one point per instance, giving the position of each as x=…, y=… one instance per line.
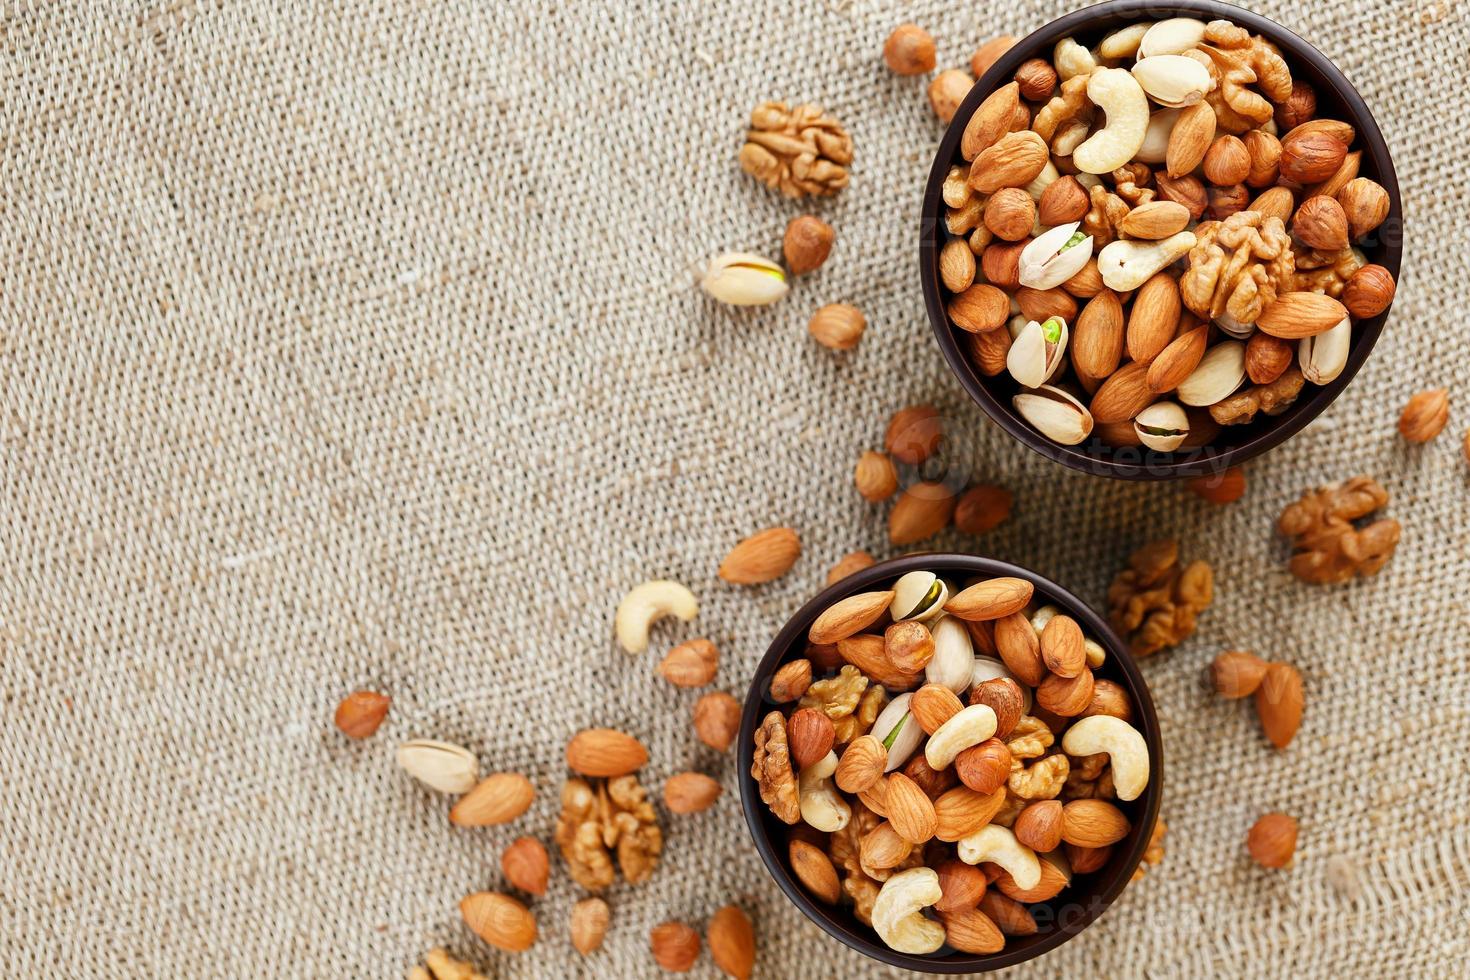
x=1336, y=99
x=1061, y=918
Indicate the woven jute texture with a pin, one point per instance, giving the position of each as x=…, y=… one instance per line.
x=358, y=344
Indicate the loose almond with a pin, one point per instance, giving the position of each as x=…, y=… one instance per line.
x=1190, y=139
x=1279, y=703
x=1425, y=416
x=932, y=705
x=961, y=885
x=500, y=920
x=1009, y=915
x=1039, y=826
x=1272, y=840
x=1155, y=220
x=762, y=557
x=675, y=946
x=732, y=941
x=972, y=931
x=991, y=120
x=1019, y=648
x=861, y=764
x=1061, y=646
x=1097, y=343
x=605, y=752
x=849, y=616
x=526, y=866
x=691, y=792
x=922, y=511
x=991, y=599
x=590, y=917
x=499, y=798
x=1012, y=161
x=962, y=811
x=1237, y=674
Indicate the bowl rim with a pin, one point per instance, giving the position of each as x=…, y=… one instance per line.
x=789, y=640
x=1152, y=465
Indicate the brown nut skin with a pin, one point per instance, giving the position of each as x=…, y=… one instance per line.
x=1109, y=698
x=525, y=865
x=910, y=809
x=675, y=946
x=361, y=712
x=1227, y=161
x=909, y=50
x=692, y=792
x=1010, y=213
x=875, y=476
x=809, y=736
x=989, y=53
x=1064, y=200
x=813, y=868
x=909, y=646
x=1085, y=860
x=1366, y=204
x=807, y=243
x=1039, y=826
x=1265, y=154
x=1219, y=488
x=1019, y=648
x=1013, y=918
x=1310, y=157
x=1300, y=106
x=1065, y=696
x=1237, y=673
x=982, y=508
x=914, y=433
x=947, y=91
x=837, y=326
x=1225, y=201
x=1321, y=223
x=1036, y=78
x=861, y=764
x=1187, y=190
x=717, y=719
x=934, y=783
x=1272, y=840
x=1279, y=703
x=1001, y=263
x=933, y=704
x=962, y=885
x=1093, y=823
x=1368, y=291
x=1425, y=415
x=1267, y=357
x=984, y=768
x=1005, y=697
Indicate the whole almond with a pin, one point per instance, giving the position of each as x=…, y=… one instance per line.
x=1292, y=316
x=990, y=599
x=1061, y=646
x=1063, y=201
x=972, y=931
x=932, y=705
x=1086, y=282
x=589, y=922
x=1123, y=395
x=1154, y=317
x=1177, y=361
x=1237, y=673
x=500, y=920
x=791, y=680
x=1227, y=161
x=675, y=946
x=1272, y=840
x=1097, y=341
x=1425, y=415
x=979, y=308
x=1279, y=703
x=813, y=868
x=991, y=120
x=1014, y=160
x=1042, y=304
x=1190, y=139
x=1155, y=220
x=498, y=798
x=1093, y=823
x=909, y=809
x=982, y=508
x=1053, y=879
x=849, y=564
x=875, y=476
x=525, y=865
x=691, y=664
x=605, y=752
x=1004, y=697
x=849, y=616
x=961, y=885
x=914, y=433
x=1219, y=488
x=762, y=557
x=962, y=811
x=922, y=511
x=1065, y=696
x=716, y=720
x=732, y=941
x=1039, y=826
x=1267, y=357
x=984, y=768
x=692, y=792
x=1275, y=202
x=1308, y=157
x=1346, y=173
x=361, y=712
x=957, y=265
x=1019, y=648
x=1009, y=915
x=988, y=350
x=861, y=764
x=809, y=735
x=1321, y=223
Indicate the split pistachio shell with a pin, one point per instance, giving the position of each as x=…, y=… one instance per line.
x=1037, y=352
x=1219, y=374
x=1173, y=80
x=1173, y=36
x=918, y=595
x=439, y=765
x=1055, y=414
x=744, y=279
x=989, y=669
x=1324, y=356
x=1163, y=426
x=898, y=731
x=1155, y=148
x=1041, y=617
x=1229, y=325
x=953, y=655
x=1126, y=265
x=1054, y=257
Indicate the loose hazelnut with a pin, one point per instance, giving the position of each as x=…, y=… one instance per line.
x=1299, y=106
x=526, y=865
x=838, y=326
x=947, y=91
x=909, y=50
x=807, y=243
x=1365, y=203
x=1267, y=357
x=1425, y=415
x=1225, y=201
x=1265, y=154
x=1010, y=213
x=1220, y=488
x=1187, y=190
x=717, y=720
x=1320, y=223
x=875, y=476
x=1227, y=161
x=914, y=433
x=361, y=712
x=1272, y=840
x=1310, y=157
x=984, y=768
x=1369, y=291
x=1036, y=78
x=1064, y=201
x=1109, y=698
x=989, y=53
x=962, y=886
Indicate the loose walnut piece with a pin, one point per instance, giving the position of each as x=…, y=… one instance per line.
x=579, y=836
x=797, y=151
x=1154, y=603
x=1237, y=267
x=836, y=697
x=1030, y=738
x=1042, y=780
x=1324, y=272
x=771, y=768
x=615, y=817
x=1273, y=399
x=1328, y=543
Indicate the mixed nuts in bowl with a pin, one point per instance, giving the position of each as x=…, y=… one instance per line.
x=1159, y=238
x=949, y=763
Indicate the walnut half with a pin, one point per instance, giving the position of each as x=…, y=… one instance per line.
x=1330, y=547
x=772, y=769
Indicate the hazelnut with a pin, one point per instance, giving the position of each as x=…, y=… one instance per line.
x=1227, y=161
x=1187, y=190
x=909, y=50
x=1109, y=698
x=1369, y=291
x=909, y=646
x=913, y=434
x=1272, y=840
x=717, y=720
x=1010, y=213
x=807, y=244
x=1365, y=203
x=1311, y=156
x=962, y=886
x=810, y=734
x=1267, y=357
x=947, y=91
x=984, y=768
x=1039, y=826
x=1036, y=79
x=838, y=326
x=1005, y=698
x=1425, y=415
x=1299, y=106
x=1265, y=154
x=361, y=712
x=1222, y=488
x=1225, y=201
x=1064, y=200
x=1001, y=263
x=957, y=265
x=675, y=946
x=989, y=53
x=1320, y=223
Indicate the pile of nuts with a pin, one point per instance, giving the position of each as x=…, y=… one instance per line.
x=956, y=753
x=1154, y=603
x=1147, y=234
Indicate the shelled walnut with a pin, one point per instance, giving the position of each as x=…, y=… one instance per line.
x=1329, y=544
x=615, y=817
x=798, y=151
x=1154, y=602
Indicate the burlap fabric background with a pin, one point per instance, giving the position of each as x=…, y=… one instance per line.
x=358, y=344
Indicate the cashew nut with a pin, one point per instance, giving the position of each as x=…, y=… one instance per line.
x=967, y=727
x=1155, y=148
x=898, y=731
x=1124, y=746
x=997, y=844
x=953, y=654
x=1071, y=59
x=1173, y=36
x=646, y=603
x=897, y=911
x=1124, y=43
x=1125, y=265
x=1118, y=94
x=822, y=806
x=1173, y=80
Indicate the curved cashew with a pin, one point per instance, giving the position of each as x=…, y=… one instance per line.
x=898, y=730
x=1124, y=746
x=1173, y=80
x=953, y=654
x=822, y=806
x=967, y=727
x=997, y=844
x=1124, y=43
x=1072, y=59
x=897, y=916
x=1118, y=94
x=646, y=603
x=1173, y=36
x=1126, y=265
